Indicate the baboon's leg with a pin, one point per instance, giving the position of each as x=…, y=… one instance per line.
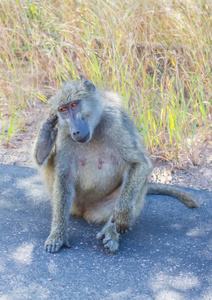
x=101, y=211
x=109, y=234
x=128, y=206
x=63, y=195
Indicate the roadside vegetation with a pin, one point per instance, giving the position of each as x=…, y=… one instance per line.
x=156, y=54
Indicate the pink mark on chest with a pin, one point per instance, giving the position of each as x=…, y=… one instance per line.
x=100, y=164
x=83, y=162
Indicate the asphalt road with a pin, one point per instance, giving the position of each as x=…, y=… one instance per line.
x=167, y=255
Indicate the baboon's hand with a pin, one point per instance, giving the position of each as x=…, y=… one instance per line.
x=55, y=241
x=46, y=138
x=109, y=237
x=123, y=221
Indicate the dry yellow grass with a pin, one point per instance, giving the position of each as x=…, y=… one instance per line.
x=156, y=54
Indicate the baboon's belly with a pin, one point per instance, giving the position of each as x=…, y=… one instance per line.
x=98, y=177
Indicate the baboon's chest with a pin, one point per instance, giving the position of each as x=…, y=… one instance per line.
x=99, y=173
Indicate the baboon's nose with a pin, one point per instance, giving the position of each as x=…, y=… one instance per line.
x=77, y=133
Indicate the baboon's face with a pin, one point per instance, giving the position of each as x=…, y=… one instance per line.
x=82, y=111
x=79, y=129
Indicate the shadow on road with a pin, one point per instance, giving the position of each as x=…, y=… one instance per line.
x=167, y=254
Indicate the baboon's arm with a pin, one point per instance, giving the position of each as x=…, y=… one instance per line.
x=133, y=192
x=63, y=195
x=46, y=140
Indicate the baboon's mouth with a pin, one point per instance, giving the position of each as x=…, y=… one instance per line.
x=85, y=139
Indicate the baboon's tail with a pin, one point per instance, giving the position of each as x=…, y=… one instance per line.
x=161, y=189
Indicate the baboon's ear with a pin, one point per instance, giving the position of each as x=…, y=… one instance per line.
x=89, y=86
x=82, y=77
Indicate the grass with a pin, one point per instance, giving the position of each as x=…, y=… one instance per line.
x=156, y=54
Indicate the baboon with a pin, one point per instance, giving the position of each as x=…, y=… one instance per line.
x=94, y=164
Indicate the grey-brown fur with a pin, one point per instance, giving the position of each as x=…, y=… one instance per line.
x=103, y=180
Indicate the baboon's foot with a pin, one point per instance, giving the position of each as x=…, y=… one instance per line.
x=55, y=241
x=109, y=237
x=46, y=138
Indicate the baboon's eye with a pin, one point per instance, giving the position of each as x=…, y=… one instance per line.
x=62, y=109
x=74, y=104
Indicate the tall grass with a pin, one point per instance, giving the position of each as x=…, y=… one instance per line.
x=157, y=54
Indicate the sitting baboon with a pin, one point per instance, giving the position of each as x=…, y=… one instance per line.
x=94, y=164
